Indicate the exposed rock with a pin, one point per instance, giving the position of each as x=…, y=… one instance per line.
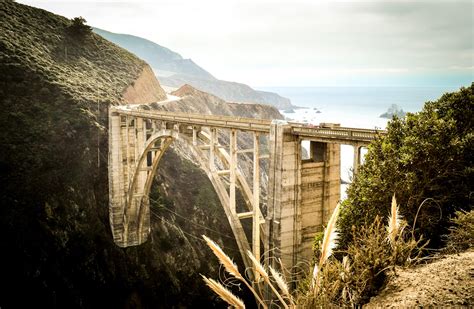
x=145, y=89
x=200, y=102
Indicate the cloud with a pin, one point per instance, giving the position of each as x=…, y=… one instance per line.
x=269, y=42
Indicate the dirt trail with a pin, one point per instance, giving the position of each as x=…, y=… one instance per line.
x=447, y=282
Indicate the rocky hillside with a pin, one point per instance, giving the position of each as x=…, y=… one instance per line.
x=174, y=71
x=229, y=91
x=199, y=102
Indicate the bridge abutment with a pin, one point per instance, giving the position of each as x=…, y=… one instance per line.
x=128, y=202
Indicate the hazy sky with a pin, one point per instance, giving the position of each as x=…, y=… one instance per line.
x=301, y=43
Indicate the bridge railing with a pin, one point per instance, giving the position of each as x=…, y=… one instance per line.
x=323, y=131
x=241, y=123
x=344, y=133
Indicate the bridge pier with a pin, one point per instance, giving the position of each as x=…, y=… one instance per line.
x=301, y=194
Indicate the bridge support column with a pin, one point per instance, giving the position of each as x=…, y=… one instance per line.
x=128, y=203
x=301, y=194
x=357, y=154
x=282, y=223
x=232, y=169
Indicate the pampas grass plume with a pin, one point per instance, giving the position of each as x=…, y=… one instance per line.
x=225, y=260
x=394, y=221
x=330, y=237
x=224, y=293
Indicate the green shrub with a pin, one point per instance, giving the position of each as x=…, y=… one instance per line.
x=461, y=234
x=318, y=239
x=427, y=159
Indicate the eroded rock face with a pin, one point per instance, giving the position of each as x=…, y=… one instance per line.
x=145, y=89
x=199, y=102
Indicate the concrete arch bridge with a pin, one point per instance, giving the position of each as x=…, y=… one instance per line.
x=300, y=196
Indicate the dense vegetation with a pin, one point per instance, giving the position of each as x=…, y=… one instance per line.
x=426, y=159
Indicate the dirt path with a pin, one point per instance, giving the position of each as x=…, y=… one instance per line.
x=447, y=282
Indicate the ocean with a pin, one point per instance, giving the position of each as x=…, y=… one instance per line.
x=357, y=107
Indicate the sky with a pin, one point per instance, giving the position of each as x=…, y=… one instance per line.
x=301, y=43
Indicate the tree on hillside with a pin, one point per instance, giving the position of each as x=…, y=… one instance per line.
x=426, y=158
x=78, y=27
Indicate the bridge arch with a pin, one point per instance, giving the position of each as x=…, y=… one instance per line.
x=145, y=143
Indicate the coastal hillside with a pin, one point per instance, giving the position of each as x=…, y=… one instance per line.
x=84, y=65
x=229, y=91
x=57, y=81
x=163, y=60
x=199, y=102
x=174, y=71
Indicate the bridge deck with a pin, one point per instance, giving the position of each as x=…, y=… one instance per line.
x=323, y=132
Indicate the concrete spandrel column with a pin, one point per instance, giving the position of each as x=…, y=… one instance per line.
x=232, y=167
x=256, y=199
x=212, y=145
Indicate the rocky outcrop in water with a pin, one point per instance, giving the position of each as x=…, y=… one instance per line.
x=393, y=110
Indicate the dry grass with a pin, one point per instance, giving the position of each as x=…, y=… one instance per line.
x=394, y=222
x=365, y=265
x=225, y=260
x=327, y=246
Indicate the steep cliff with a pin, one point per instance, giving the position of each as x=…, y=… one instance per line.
x=144, y=89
